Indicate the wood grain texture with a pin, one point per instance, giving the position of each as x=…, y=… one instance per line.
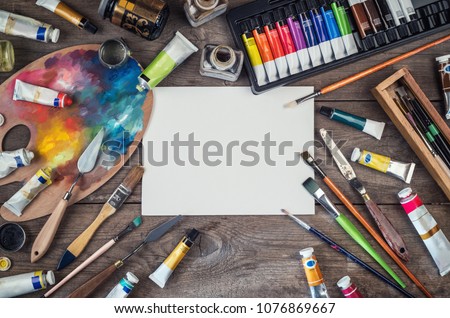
x=246, y=256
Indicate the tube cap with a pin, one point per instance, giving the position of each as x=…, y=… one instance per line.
x=50, y=277
x=356, y=154
x=132, y=278
x=2, y=120
x=380, y=38
x=54, y=35
x=403, y=31
x=414, y=26
x=369, y=42
x=406, y=192
x=306, y=252
x=193, y=234
x=391, y=35
x=5, y=264
x=88, y=26
x=326, y=111
x=344, y=282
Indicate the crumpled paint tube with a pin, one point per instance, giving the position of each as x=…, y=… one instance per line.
x=11, y=160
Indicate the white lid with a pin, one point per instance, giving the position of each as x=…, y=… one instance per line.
x=356, y=154
x=132, y=278
x=344, y=282
x=54, y=35
x=50, y=277
x=406, y=192
x=307, y=252
x=2, y=120
x=443, y=58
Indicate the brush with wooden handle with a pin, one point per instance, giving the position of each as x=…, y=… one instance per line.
x=109, y=208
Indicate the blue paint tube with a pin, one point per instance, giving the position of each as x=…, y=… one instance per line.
x=321, y=31
x=21, y=284
x=333, y=31
x=298, y=38
x=310, y=36
x=370, y=127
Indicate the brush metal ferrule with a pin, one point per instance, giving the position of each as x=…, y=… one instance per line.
x=119, y=196
x=322, y=198
x=309, y=160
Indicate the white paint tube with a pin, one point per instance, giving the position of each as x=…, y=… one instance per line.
x=19, y=201
x=40, y=95
x=124, y=287
x=11, y=160
x=21, y=284
x=25, y=27
x=432, y=236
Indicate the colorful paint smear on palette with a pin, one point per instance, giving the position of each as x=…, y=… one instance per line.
x=102, y=98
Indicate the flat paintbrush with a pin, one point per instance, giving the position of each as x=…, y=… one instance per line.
x=130, y=227
x=109, y=208
x=335, y=246
x=319, y=172
x=369, y=71
x=89, y=287
x=312, y=187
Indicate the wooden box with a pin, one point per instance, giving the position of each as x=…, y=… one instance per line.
x=384, y=93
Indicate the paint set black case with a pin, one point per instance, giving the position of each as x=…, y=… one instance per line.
x=431, y=17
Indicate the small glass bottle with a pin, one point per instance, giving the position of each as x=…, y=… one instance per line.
x=199, y=12
x=314, y=276
x=124, y=287
x=348, y=288
x=6, y=56
x=221, y=61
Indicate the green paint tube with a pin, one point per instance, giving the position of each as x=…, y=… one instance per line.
x=344, y=27
x=175, y=52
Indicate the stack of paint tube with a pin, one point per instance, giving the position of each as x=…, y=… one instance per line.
x=289, y=40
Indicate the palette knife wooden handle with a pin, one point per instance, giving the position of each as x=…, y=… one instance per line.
x=45, y=237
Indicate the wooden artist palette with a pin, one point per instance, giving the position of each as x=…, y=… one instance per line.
x=102, y=98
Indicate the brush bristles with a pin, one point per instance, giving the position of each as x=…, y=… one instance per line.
x=307, y=157
x=291, y=104
x=133, y=177
x=311, y=185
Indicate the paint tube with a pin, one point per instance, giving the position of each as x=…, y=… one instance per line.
x=399, y=17
x=432, y=236
x=410, y=16
x=266, y=53
x=162, y=274
x=254, y=55
x=401, y=170
x=370, y=127
x=444, y=70
x=40, y=95
x=175, y=53
x=124, y=287
x=18, y=202
x=25, y=27
x=21, y=284
x=314, y=276
x=348, y=289
x=11, y=160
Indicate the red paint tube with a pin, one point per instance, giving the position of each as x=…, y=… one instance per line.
x=276, y=47
x=265, y=52
x=348, y=288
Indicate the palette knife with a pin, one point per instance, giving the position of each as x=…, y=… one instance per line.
x=388, y=231
x=85, y=164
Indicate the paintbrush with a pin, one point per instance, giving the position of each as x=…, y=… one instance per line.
x=320, y=196
x=130, y=227
x=367, y=72
x=312, y=163
x=335, y=246
x=109, y=208
x=89, y=287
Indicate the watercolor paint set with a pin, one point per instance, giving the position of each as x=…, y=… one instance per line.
x=285, y=41
x=387, y=94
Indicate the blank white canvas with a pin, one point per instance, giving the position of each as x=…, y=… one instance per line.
x=218, y=117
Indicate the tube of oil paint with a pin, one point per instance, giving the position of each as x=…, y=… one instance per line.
x=67, y=13
x=410, y=15
x=275, y=45
x=399, y=17
x=321, y=31
x=314, y=276
x=370, y=127
x=428, y=229
x=124, y=287
x=444, y=70
x=362, y=23
x=310, y=35
x=162, y=274
x=344, y=28
x=348, y=288
x=298, y=38
x=21, y=284
x=253, y=55
x=40, y=95
x=18, y=202
x=11, y=160
x=175, y=53
x=400, y=170
x=25, y=27
x=286, y=42
x=387, y=19
x=333, y=31
x=375, y=21
x=264, y=50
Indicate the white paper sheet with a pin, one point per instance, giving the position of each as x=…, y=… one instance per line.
x=234, y=119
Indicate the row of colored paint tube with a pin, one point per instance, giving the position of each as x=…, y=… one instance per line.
x=308, y=33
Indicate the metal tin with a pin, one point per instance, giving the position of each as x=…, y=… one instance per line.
x=113, y=53
x=12, y=237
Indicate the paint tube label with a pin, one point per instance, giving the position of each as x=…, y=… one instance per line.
x=17, y=285
x=176, y=256
x=444, y=70
x=375, y=161
x=312, y=271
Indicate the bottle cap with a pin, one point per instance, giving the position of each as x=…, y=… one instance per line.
x=50, y=277
x=88, y=26
x=306, y=252
x=12, y=237
x=344, y=282
x=132, y=278
x=406, y=192
x=2, y=120
x=54, y=35
x=356, y=154
x=5, y=264
x=326, y=111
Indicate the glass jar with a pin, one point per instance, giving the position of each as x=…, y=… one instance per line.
x=6, y=56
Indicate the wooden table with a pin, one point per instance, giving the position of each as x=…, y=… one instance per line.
x=243, y=256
